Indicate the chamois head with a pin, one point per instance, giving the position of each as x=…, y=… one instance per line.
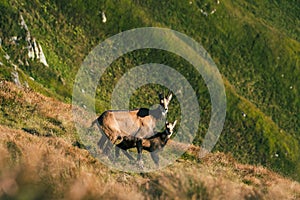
x=170, y=128
x=164, y=102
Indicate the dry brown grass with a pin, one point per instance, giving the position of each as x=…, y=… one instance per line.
x=219, y=176
x=50, y=168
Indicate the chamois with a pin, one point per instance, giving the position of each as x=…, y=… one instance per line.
x=115, y=124
x=152, y=144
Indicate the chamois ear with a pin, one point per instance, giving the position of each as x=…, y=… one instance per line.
x=174, y=124
x=169, y=97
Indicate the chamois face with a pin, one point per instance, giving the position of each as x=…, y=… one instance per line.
x=170, y=128
x=164, y=102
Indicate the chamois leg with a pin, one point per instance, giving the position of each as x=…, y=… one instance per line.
x=117, y=153
x=155, y=158
x=139, y=147
x=123, y=146
x=127, y=154
x=108, y=150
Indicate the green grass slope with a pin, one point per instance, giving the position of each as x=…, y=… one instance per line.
x=254, y=44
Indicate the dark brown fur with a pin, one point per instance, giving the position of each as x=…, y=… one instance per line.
x=152, y=144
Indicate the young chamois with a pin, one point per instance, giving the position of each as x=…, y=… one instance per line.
x=115, y=124
x=152, y=144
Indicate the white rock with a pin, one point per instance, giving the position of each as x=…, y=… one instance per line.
x=31, y=45
x=23, y=23
x=15, y=66
x=15, y=77
x=42, y=56
x=13, y=40
x=244, y=114
x=103, y=17
x=7, y=57
x=20, y=62
x=31, y=53
x=36, y=48
x=203, y=12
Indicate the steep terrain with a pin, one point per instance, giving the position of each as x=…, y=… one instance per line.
x=38, y=166
x=254, y=44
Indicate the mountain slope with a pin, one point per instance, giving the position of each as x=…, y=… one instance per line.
x=42, y=162
x=254, y=44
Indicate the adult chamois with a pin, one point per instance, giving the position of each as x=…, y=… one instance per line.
x=115, y=124
x=152, y=144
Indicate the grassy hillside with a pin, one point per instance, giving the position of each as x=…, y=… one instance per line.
x=256, y=46
x=33, y=167
x=40, y=162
